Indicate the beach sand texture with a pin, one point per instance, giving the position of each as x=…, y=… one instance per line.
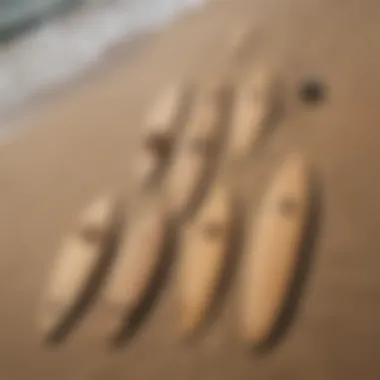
x=84, y=141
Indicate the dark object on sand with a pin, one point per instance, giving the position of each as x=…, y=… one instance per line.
x=312, y=90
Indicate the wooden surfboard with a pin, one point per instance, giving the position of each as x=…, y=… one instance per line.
x=202, y=257
x=272, y=250
x=253, y=103
x=195, y=148
x=139, y=255
x=161, y=128
x=79, y=258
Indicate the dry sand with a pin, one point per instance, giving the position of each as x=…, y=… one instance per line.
x=82, y=143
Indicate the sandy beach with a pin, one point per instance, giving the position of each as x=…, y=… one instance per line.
x=83, y=142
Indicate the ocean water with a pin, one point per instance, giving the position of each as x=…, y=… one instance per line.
x=63, y=48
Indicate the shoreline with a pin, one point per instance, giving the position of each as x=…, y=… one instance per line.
x=15, y=121
x=96, y=56
x=121, y=60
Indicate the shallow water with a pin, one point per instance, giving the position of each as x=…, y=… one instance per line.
x=61, y=49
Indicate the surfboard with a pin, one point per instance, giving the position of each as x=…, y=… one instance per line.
x=139, y=256
x=241, y=41
x=161, y=127
x=196, y=147
x=202, y=255
x=272, y=249
x=79, y=258
x=253, y=103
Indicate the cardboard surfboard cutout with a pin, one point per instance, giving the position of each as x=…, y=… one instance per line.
x=195, y=148
x=254, y=100
x=161, y=129
x=79, y=258
x=272, y=250
x=202, y=257
x=139, y=256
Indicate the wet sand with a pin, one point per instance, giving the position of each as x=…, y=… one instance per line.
x=84, y=143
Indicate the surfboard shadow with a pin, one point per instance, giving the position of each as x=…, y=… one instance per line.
x=134, y=321
x=302, y=271
x=86, y=300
